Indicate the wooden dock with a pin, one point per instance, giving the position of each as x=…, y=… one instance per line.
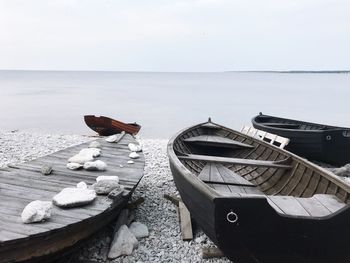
x=23, y=183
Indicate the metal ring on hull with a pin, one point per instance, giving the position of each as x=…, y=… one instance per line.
x=232, y=217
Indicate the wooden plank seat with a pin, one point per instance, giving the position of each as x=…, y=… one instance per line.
x=238, y=161
x=318, y=205
x=225, y=181
x=218, y=141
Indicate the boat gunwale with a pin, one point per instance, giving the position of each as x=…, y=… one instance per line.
x=330, y=128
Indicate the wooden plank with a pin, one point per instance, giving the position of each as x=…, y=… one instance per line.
x=231, y=177
x=289, y=205
x=185, y=222
x=204, y=175
x=313, y=206
x=214, y=140
x=238, y=161
x=331, y=202
x=6, y=235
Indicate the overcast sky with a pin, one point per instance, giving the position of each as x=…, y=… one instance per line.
x=175, y=35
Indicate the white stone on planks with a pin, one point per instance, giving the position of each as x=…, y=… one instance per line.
x=74, y=166
x=82, y=185
x=95, y=152
x=134, y=155
x=135, y=147
x=80, y=158
x=94, y=144
x=95, y=166
x=36, y=211
x=104, y=187
x=107, y=177
x=71, y=197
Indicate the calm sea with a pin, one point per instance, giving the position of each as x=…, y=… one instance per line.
x=164, y=103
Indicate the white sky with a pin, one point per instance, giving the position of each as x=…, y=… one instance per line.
x=175, y=35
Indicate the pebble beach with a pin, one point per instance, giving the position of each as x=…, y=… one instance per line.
x=164, y=243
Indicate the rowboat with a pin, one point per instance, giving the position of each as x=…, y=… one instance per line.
x=257, y=202
x=105, y=126
x=314, y=141
x=67, y=228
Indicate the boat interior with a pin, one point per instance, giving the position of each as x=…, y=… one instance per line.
x=234, y=164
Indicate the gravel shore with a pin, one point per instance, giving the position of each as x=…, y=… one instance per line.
x=164, y=243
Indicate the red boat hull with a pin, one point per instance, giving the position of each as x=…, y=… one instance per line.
x=105, y=126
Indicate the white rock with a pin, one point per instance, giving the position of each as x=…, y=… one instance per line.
x=95, y=152
x=123, y=243
x=115, y=138
x=134, y=155
x=79, y=158
x=95, y=166
x=139, y=230
x=104, y=187
x=36, y=211
x=74, y=166
x=82, y=185
x=94, y=144
x=135, y=147
x=130, y=162
x=107, y=177
x=70, y=197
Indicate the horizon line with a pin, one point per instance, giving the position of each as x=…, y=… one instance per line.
x=223, y=71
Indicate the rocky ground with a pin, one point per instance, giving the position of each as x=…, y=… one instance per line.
x=164, y=243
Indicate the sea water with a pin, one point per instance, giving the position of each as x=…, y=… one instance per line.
x=164, y=103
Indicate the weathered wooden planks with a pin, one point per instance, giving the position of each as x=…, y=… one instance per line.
x=24, y=183
x=238, y=161
x=185, y=222
x=212, y=140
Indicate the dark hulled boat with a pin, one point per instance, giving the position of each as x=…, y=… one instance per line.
x=259, y=203
x=317, y=142
x=105, y=126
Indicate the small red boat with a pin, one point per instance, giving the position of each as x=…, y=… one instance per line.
x=105, y=126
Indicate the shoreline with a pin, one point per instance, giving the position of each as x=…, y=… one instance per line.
x=164, y=243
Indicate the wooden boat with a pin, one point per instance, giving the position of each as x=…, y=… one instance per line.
x=67, y=228
x=257, y=202
x=105, y=126
x=316, y=142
